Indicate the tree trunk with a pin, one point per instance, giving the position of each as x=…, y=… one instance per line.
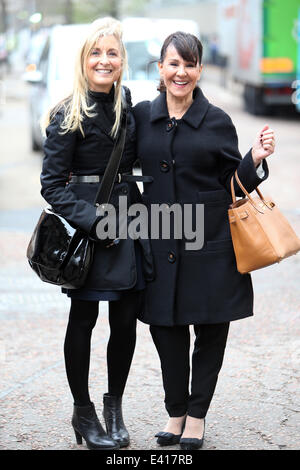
x=68, y=12
x=4, y=20
x=114, y=8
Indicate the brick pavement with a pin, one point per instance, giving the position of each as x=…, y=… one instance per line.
x=256, y=404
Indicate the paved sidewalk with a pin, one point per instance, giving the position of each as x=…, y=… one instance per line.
x=256, y=404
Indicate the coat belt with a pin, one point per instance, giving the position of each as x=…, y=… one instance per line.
x=119, y=178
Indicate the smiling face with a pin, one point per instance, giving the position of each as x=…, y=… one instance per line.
x=104, y=64
x=179, y=76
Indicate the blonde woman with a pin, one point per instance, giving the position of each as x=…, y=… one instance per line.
x=80, y=134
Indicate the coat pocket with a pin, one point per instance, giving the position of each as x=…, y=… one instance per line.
x=219, y=246
x=217, y=196
x=216, y=203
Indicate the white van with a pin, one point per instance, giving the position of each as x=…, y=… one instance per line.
x=53, y=78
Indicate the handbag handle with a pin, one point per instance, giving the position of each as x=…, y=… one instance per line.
x=245, y=192
x=111, y=170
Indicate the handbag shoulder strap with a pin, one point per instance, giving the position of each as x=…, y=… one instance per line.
x=243, y=189
x=109, y=177
x=245, y=192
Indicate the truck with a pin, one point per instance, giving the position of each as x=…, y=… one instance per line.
x=260, y=41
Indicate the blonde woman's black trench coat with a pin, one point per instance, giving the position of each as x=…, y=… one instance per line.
x=192, y=162
x=113, y=268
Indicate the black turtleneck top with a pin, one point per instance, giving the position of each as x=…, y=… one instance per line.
x=101, y=96
x=104, y=105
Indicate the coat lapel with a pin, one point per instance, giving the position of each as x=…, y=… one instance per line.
x=194, y=115
x=198, y=109
x=159, y=108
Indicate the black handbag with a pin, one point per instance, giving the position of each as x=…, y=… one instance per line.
x=61, y=254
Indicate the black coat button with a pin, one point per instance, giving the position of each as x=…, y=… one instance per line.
x=171, y=124
x=171, y=257
x=164, y=166
x=125, y=191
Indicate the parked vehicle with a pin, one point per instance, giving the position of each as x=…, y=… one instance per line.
x=52, y=78
x=259, y=39
x=36, y=45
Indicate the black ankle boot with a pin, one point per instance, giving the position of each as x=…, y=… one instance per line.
x=87, y=425
x=112, y=413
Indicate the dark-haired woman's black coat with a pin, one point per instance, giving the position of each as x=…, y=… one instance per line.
x=192, y=162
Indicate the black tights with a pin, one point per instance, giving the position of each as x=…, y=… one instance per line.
x=120, y=348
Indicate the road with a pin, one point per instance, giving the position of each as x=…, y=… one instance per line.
x=256, y=404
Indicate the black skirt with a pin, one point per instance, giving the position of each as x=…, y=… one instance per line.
x=97, y=295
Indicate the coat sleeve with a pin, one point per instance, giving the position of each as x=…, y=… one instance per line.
x=230, y=159
x=57, y=165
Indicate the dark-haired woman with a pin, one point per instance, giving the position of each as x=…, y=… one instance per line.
x=190, y=147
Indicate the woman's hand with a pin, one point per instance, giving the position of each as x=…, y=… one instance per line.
x=264, y=145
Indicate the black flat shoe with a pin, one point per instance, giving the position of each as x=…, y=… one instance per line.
x=189, y=443
x=87, y=426
x=112, y=413
x=167, y=438
x=192, y=443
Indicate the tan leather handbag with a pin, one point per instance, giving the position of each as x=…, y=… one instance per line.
x=261, y=235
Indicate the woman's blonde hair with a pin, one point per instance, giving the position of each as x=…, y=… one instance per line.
x=76, y=106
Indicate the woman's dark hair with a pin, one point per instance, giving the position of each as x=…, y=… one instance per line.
x=187, y=45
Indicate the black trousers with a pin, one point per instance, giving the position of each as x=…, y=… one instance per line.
x=120, y=348
x=173, y=347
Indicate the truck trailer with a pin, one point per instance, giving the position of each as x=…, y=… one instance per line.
x=259, y=38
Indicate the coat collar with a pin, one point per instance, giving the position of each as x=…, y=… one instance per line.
x=194, y=115
x=104, y=113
